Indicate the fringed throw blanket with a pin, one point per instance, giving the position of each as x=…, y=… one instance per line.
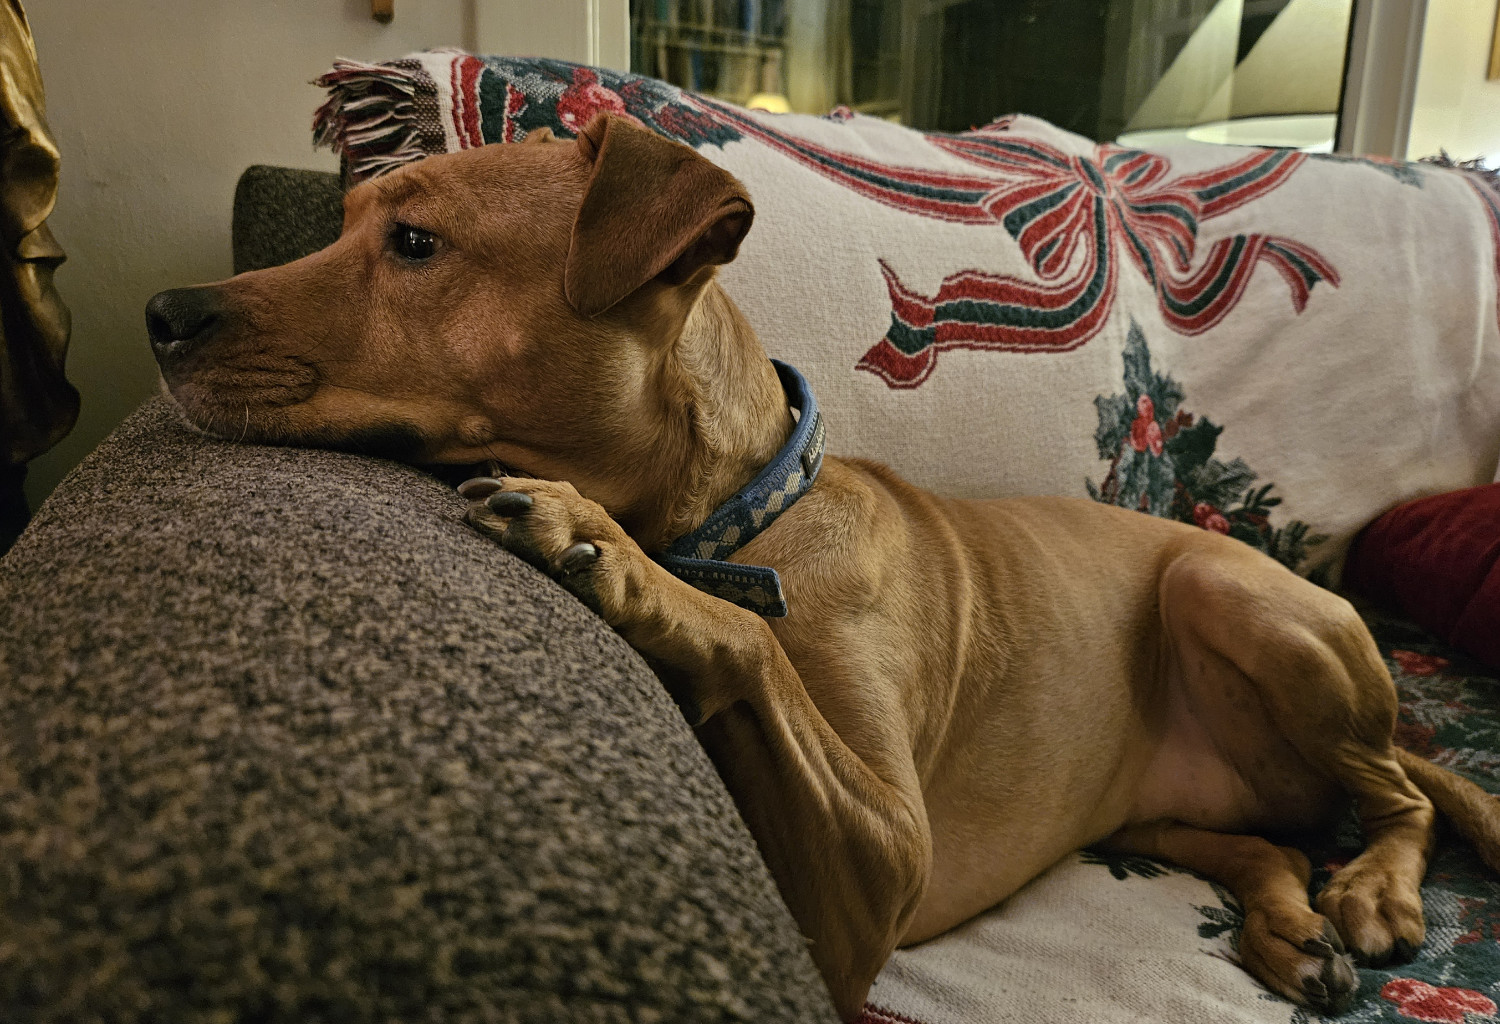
x=1270, y=344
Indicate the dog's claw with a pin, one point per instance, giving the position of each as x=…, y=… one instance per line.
x=509, y=503
x=479, y=487
x=1334, y=988
x=579, y=557
x=1401, y=952
x=1327, y=946
x=1318, y=947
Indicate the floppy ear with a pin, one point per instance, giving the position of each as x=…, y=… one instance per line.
x=652, y=208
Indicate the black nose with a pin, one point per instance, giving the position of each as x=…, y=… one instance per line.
x=178, y=319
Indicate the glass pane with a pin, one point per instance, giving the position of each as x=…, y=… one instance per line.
x=1265, y=72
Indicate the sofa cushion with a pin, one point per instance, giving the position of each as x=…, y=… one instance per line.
x=1436, y=561
x=281, y=739
x=282, y=214
x=962, y=304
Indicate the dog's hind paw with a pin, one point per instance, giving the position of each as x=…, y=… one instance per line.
x=1380, y=917
x=1332, y=989
x=1315, y=972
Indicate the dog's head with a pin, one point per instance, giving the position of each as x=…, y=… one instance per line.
x=513, y=302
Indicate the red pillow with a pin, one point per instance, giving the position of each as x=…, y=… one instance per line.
x=1436, y=561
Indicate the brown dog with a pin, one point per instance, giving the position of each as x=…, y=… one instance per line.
x=963, y=691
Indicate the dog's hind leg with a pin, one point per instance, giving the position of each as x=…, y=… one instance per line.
x=1289, y=948
x=1310, y=663
x=842, y=826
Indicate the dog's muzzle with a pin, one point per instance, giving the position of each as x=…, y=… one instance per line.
x=180, y=319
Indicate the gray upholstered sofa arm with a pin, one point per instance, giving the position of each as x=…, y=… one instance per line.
x=282, y=214
x=282, y=739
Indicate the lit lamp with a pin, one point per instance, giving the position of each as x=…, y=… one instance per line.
x=771, y=97
x=772, y=102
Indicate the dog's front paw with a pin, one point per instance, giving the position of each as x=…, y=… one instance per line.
x=556, y=529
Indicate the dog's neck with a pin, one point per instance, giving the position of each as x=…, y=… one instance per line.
x=737, y=419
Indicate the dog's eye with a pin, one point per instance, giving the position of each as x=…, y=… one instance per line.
x=413, y=243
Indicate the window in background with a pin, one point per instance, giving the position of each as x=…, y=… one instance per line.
x=1265, y=72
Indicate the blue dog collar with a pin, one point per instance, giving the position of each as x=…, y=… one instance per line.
x=697, y=558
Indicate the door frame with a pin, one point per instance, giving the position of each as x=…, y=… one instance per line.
x=1380, y=77
x=593, y=32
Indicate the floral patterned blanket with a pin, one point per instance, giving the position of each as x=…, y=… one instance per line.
x=1189, y=332
x=1103, y=938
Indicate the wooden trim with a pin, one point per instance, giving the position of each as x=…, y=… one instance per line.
x=609, y=33
x=1495, y=49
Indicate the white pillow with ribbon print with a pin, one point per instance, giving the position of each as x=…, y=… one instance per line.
x=1260, y=342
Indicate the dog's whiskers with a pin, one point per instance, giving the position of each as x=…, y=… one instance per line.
x=496, y=466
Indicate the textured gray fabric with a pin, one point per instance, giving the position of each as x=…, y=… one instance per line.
x=281, y=214
x=282, y=740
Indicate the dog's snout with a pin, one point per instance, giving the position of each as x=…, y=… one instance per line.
x=180, y=318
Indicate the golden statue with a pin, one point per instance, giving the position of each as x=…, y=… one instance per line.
x=37, y=404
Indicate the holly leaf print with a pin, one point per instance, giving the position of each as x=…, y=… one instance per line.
x=1161, y=461
x=1191, y=447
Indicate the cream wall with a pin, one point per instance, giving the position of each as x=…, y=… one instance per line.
x=158, y=105
x=1456, y=108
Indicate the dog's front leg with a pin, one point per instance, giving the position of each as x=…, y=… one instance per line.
x=843, y=831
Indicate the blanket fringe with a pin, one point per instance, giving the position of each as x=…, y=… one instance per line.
x=1475, y=167
x=370, y=117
